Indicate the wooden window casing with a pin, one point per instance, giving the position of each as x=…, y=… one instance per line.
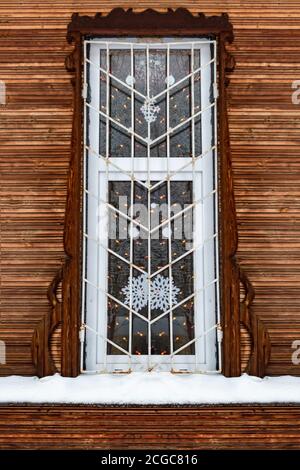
x=149, y=23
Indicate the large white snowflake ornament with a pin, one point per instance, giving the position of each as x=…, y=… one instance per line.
x=138, y=286
x=149, y=110
x=160, y=293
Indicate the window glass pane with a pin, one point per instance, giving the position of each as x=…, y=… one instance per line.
x=118, y=100
x=137, y=296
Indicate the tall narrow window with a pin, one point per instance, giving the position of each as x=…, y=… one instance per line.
x=150, y=253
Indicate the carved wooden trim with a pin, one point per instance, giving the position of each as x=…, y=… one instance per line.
x=39, y=348
x=71, y=283
x=45, y=328
x=245, y=310
x=54, y=301
x=56, y=313
x=261, y=345
x=179, y=22
x=229, y=275
x=261, y=352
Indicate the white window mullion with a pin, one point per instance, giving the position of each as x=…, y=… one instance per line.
x=82, y=331
x=92, y=297
x=131, y=197
x=208, y=217
x=196, y=211
x=148, y=205
x=169, y=201
x=216, y=204
x=103, y=189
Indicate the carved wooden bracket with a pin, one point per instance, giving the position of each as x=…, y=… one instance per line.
x=41, y=338
x=179, y=22
x=54, y=301
x=245, y=308
x=261, y=346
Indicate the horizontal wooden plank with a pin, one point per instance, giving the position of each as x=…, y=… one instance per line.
x=95, y=427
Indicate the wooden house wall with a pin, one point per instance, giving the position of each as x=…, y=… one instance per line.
x=35, y=136
x=230, y=427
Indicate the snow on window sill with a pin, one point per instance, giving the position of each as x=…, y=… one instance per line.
x=150, y=388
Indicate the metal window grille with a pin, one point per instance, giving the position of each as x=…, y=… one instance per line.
x=150, y=296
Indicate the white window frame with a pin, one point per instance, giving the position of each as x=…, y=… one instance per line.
x=202, y=171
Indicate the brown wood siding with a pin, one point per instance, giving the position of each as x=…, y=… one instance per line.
x=84, y=427
x=35, y=137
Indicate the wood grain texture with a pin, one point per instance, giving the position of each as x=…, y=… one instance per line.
x=35, y=147
x=95, y=427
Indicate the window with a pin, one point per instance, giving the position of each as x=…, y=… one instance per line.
x=150, y=276
x=151, y=281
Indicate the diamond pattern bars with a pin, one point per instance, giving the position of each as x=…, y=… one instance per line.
x=149, y=287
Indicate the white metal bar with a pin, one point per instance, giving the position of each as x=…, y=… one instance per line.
x=136, y=222
x=131, y=248
x=148, y=141
x=107, y=128
x=201, y=304
x=173, y=217
x=158, y=271
x=107, y=149
x=169, y=207
x=186, y=77
x=193, y=340
x=106, y=339
x=113, y=164
x=192, y=102
x=119, y=124
x=98, y=287
x=215, y=156
x=142, y=45
x=114, y=253
x=120, y=213
x=171, y=131
x=92, y=133
x=83, y=298
x=111, y=161
x=166, y=90
x=184, y=255
x=208, y=252
x=118, y=80
x=148, y=205
x=190, y=162
x=193, y=179
x=203, y=268
x=186, y=299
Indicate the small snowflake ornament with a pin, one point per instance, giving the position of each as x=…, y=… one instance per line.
x=160, y=293
x=149, y=110
x=138, y=286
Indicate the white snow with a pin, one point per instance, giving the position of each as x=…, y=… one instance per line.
x=149, y=388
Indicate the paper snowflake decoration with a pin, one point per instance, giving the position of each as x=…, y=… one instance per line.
x=138, y=286
x=149, y=110
x=160, y=293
